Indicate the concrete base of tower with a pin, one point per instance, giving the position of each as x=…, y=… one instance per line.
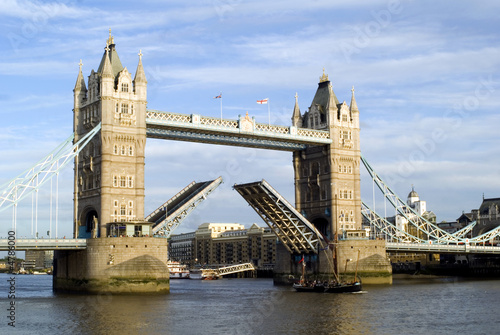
x=373, y=266
x=114, y=265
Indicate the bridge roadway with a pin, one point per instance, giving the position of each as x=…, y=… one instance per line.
x=441, y=248
x=81, y=243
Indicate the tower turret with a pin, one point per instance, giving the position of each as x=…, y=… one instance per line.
x=296, y=117
x=140, y=81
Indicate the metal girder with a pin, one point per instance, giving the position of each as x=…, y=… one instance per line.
x=169, y=216
x=465, y=230
x=226, y=270
x=293, y=230
x=30, y=180
x=189, y=136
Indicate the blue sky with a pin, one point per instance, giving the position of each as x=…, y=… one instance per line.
x=426, y=76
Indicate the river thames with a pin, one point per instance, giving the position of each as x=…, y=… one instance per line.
x=256, y=306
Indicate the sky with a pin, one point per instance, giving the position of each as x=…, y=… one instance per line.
x=426, y=76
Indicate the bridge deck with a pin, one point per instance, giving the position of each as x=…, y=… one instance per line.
x=295, y=232
x=169, y=215
x=442, y=249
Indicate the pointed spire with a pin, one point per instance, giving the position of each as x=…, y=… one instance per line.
x=296, y=117
x=354, y=105
x=140, y=75
x=107, y=71
x=331, y=103
x=80, y=82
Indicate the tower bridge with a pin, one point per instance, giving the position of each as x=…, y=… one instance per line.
x=111, y=125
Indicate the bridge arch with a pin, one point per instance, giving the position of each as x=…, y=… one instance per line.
x=322, y=224
x=87, y=222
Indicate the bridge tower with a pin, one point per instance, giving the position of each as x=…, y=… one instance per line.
x=327, y=179
x=109, y=188
x=109, y=172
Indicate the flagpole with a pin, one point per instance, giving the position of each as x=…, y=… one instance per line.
x=269, y=111
x=221, y=106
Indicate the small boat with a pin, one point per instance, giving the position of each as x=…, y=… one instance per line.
x=309, y=287
x=344, y=287
x=177, y=270
x=195, y=274
x=305, y=286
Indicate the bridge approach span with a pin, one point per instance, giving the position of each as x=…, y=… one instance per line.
x=44, y=244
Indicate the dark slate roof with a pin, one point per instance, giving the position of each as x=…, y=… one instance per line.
x=116, y=64
x=323, y=95
x=485, y=206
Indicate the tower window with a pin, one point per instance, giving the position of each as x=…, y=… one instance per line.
x=124, y=87
x=131, y=151
x=123, y=150
x=115, y=181
x=344, y=117
x=124, y=108
x=123, y=210
x=123, y=181
x=130, y=181
x=115, y=149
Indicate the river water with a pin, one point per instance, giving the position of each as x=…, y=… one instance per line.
x=256, y=306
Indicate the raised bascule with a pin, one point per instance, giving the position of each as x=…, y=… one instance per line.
x=113, y=249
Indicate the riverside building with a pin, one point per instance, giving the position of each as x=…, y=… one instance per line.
x=225, y=244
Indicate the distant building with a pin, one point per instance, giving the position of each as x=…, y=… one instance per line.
x=181, y=248
x=415, y=205
x=225, y=244
x=38, y=259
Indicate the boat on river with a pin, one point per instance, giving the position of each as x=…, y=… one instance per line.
x=178, y=270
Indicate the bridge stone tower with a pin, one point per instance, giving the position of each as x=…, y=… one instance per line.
x=327, y=179
x=109, y=188
x=109, y=172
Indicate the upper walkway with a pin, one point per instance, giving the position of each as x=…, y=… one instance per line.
x=242, y=132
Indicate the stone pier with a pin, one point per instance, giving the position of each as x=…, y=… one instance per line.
x=114, y=265
x=373, y=266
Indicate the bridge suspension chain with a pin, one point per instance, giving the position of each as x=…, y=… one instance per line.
x=423, y=227
x=432, y=233
x=33, y=178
